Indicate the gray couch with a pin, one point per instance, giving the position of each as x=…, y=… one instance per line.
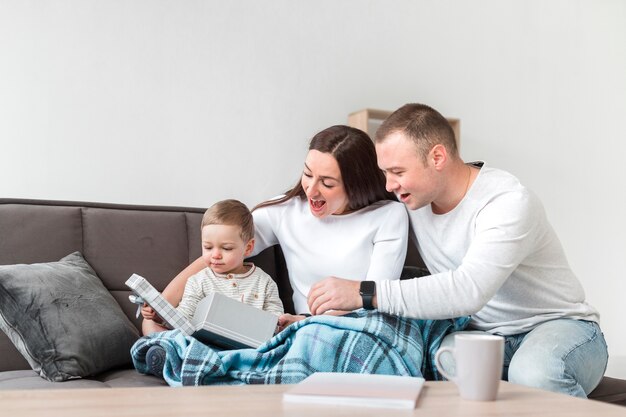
x=116, y=241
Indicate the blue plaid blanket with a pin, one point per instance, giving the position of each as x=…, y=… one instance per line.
x=361, y=342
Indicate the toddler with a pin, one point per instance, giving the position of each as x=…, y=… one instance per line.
x=227, y=239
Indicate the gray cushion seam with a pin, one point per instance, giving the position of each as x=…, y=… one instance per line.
x=82, y=230
x=188, y=238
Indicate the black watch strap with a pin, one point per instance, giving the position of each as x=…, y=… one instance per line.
x=367, y=291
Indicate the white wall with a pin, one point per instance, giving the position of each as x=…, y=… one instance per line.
x=187, y=102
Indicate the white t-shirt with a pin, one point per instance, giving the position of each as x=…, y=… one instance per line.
x=495, y=257
x=368, y=244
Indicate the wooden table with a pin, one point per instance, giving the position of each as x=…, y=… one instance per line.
x=438, y=399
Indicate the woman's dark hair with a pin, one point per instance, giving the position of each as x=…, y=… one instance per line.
x=355, y=154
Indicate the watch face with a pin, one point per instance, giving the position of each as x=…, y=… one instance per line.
x=368, y=288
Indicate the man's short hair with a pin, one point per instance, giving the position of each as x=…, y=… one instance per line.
x=425, y=126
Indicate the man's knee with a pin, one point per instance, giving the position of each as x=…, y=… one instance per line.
x=536, y=372
x=561, y=356
x=545, y=375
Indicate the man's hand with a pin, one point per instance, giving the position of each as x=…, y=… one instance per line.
x=334, y=293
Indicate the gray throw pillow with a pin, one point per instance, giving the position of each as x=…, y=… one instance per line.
x=63, y=320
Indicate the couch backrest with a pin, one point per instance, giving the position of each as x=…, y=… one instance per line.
x=117, y=241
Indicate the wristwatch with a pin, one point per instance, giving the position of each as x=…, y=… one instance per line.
x=367, y=291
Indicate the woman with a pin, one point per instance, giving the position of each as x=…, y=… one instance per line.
x=337, y=220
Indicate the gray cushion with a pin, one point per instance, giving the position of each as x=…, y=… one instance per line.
x=63, y=320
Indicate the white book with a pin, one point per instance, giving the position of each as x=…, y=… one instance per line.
x=218, y=319
x=362, y=390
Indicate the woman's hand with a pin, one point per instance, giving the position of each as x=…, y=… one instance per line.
x=288, y=319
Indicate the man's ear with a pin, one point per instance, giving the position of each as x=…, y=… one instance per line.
x=439, y=156
x=249, y=248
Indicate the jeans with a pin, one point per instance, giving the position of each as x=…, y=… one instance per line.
x=563, y=355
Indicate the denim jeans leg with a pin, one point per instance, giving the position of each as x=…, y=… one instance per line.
x=563, y=355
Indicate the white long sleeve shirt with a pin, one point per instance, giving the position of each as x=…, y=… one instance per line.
x=368, y=244
x=494, y=257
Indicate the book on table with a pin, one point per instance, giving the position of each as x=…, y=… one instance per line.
x=218, y=319
x=363, y=390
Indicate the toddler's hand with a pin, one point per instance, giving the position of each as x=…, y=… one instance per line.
x=148, y=313
x=288, y=319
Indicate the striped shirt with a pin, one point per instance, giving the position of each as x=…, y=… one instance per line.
x=254, y=287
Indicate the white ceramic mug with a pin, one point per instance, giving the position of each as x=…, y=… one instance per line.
x=478, y=359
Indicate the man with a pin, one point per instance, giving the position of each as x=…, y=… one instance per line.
x=492, y=254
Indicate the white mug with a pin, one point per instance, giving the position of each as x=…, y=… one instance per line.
x=479, y=359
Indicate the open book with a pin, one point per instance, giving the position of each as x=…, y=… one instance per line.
x=218, y=320
x=362, y=390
